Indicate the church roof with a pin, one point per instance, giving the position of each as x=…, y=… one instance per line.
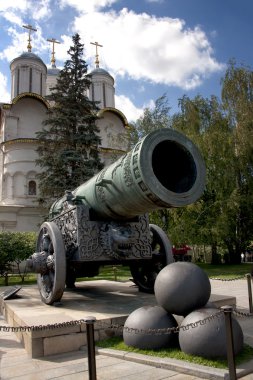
x=30, y=56
x=116, y=112
x=53, y=71
x=30, y=95
x=99, y=71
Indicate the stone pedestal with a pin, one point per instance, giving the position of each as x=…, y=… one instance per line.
x=108, y=301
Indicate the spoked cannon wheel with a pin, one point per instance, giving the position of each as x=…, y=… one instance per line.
x=145, y=272
x=51, y=250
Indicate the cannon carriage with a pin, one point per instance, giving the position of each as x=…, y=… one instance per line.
x=105, y=220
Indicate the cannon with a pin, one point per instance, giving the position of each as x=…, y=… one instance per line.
x=105, y=220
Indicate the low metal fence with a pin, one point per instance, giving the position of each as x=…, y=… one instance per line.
x=91, y=322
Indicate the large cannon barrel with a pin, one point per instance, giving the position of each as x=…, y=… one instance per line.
x=163, y=170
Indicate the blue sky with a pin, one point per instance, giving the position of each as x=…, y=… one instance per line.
x=151, y=47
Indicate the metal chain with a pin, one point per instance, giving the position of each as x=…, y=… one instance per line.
x=240, y=313
x=100, y=324
x=169, y=330
x=42, y=327
x=105, y=325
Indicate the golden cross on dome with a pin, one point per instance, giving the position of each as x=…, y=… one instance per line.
x=54, y=41
x=96, y=44
x=30, y=28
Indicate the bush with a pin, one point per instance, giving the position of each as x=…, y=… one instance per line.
x=15, y=247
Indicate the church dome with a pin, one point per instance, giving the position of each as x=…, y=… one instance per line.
x=28, y=73
x=99, y=72
x=53, y=71
x=29, y=56
x=102, y=88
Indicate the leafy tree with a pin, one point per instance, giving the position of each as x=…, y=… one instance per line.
x=14, y=248
x=223, y=220
x=152, y=119
x=237, y=97
x=68, y=144
x=222, y=129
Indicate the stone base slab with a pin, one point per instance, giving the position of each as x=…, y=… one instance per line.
x=108, y=301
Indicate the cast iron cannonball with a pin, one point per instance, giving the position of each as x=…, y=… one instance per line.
x=145, y=318
x=182, y=287
x=208, y=339
x=180, y=318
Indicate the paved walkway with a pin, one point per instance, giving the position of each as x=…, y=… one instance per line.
x=15, y=363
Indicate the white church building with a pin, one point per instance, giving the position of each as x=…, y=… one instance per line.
x=20, y=119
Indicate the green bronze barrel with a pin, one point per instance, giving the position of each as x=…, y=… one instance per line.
x=163, y=170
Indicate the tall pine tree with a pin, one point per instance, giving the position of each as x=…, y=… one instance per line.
x=68, y=144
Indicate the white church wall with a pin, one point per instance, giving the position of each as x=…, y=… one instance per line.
x=112, y=131
x=21, y=218
x=8, y=187
x=38, y=85
x=14, y=83
x=20, y=189
x=1, y=174
x=98, y=95
x=18, y=185
x=8, y=219
x=19, y=168
x=109, y=96
x=23, y=85
x=19, y=124
x=20, y=156
x=11, y=127
x=102, y=89
x=51, y=82
x=29, y=222
x=31, y=113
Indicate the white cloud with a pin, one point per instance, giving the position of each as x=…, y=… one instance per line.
x=19, y=5
x=87, y=6
x=19, y=43
x=12, y=17
x=62, y=48
x=131, y=112
x=41, y=10
x=39, y=44
x=150, y=104
x=124, y=104
x=4, y=94
x=16, y=13
x=37, y=10
x=159, y=50
x=16, y=47
x=137, y=46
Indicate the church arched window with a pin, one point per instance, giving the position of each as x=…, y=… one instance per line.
x=32, y=188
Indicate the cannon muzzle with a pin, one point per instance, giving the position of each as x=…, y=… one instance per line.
x=163, y=170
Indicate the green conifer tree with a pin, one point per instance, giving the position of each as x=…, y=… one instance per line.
x=68, y=144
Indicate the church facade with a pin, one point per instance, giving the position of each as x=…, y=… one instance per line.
x=20, y=119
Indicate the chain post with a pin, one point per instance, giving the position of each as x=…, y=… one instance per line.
x=248, y=275
x=91, y=347
x=230, y=342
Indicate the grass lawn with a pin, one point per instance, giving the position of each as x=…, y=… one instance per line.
x=117, y=343
x=122, y=273
x=226, y=271
x=112, y=273
x=30, y=279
